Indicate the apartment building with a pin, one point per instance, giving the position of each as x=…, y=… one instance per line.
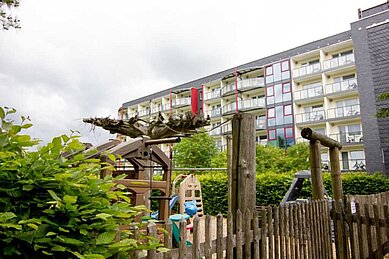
x=330, y=85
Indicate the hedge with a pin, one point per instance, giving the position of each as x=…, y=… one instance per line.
x=271, y=188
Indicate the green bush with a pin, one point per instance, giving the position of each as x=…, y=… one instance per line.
x=57, y=207
x=271, y=188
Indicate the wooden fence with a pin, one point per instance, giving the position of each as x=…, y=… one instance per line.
x=362, y=226
x=287, y=231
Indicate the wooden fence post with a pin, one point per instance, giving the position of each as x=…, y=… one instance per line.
x=243, y=189
x=336, y=174
x=316, y=173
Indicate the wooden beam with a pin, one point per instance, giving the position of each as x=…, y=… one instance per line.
x=316, y=173
x=337, y=188
x=309, y=134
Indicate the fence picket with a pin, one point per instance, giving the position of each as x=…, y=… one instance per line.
x=219, y=236
x=256, y=235
x=368, y=230
x=263, y=232
x=276, y=232
x=168, y=238
x=230, y=236
x=282, y=231
x=361, y=246
x=377, y=231
x=151, y=231
x=270, y=232
x=291, y=232
x=183, y=238
x=196, y=238
x=247, y=236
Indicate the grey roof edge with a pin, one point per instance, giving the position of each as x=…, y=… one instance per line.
x=343, y=36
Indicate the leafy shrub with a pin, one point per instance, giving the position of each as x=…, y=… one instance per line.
x=214, y=187
x=57, y=207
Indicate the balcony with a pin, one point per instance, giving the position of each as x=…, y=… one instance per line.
x=307, y=70
x=342, y=86
x=309, y=93
x=212, y=95
x=227, y=128
x=143, y=113
x=348, y=138
x=314, y=116
x=181, y=102
x=244, y=105
x=214, y=113
x=260, y=124
x=216, y=132
x=157, y=109
x=244, y=85
x=133, y=114
x=341, y=61
x=344, y=111
x=165, y=107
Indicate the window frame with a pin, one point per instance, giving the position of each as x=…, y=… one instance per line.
x=286, y=137
x=272, y=70
x=285, y=61
x=274, y=113
x=290, y=88
x=268, y=134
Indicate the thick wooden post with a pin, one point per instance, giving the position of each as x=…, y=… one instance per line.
x=336, y=178
x=316, y=173
x=243, y=191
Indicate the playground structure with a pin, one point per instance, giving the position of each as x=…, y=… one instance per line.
x=189, y=189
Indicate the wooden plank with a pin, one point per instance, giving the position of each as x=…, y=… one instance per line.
x=151, y=231
x=270, y=232
x=239, y=241
x=377, y=230
x=350, y=222
x=263, y=232
x=319, y=216
x=287, y=238
x=282, y=231
x=196, y=237
x=297, y=230
x=256, y=235
x=247, y=227
x=310, y=134
x=361, y=247
x=316, y=173
x=219, y=236
x=292, y=231
x=314, y=230
x=386, y=217
x=276, y=232
x=368, y=231
x=183, y=238
x=230, y=236
x=208, y=246
x=168, y=240
x=336, y=179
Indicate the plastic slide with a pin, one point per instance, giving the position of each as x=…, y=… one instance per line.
x=172, y=202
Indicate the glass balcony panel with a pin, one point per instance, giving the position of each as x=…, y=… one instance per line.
x=344, y=111
x=342, y=86
x=229, y=107
x=166, y=107
x=251, y=83
x=143, y=113
x=131, y=115
x=212, y=95
x=349, y=137
x=310, y=116
x=251, y=103
x=213, y=113
x=306, y=70
x=181, y=101
x=216, y=132
x=339, y=61
x=228, y=88
x=309, y=93
x=226, y=128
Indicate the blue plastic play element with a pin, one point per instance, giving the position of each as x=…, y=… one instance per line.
x=172, y=202
x=190, y=208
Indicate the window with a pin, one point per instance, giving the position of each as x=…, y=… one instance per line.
x=270, y=91
x=286, y=88
x=287, y=109
x=269, y=70
x=272, y=134
x=271, y=113
x=285, y=65
x=289, y=133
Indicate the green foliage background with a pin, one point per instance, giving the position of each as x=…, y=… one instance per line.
x=271, y=188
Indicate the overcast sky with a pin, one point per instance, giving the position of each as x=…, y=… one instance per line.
x=76, y=59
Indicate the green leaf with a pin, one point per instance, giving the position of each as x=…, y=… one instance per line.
x=83, y=232
x=70, y=241
x=106, y=238
x=5, y=216
x=103, y=216
x=111, y=157
x=54, y=195
x=28, y=187
x=94, y=256
x=2, y=113
x=70, y=199
x=63, y=230
x=33, y=226
x=47, y=253
x=11, y=225
x=58, y=248
x=51, y=234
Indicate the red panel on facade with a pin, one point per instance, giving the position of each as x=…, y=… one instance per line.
x=195, y=100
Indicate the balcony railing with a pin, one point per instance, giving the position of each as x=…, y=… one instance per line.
x=244, y=105
x=179, y=102
x=350, y=137
x=342, y=86
x=245, y=84
x=309, y=93
x=307, y=70
x=226, y=128
x=347, y=165
x=216, y=132
x=165, y=107
x=157, y=109
x=133, y=114
x=260, y=124
x=251, y=104
x=262, y=142
x=344, y=111
x=339, y=61
x=212, y=95
x=214, y=113
x=143, y=113
x=310, y=116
